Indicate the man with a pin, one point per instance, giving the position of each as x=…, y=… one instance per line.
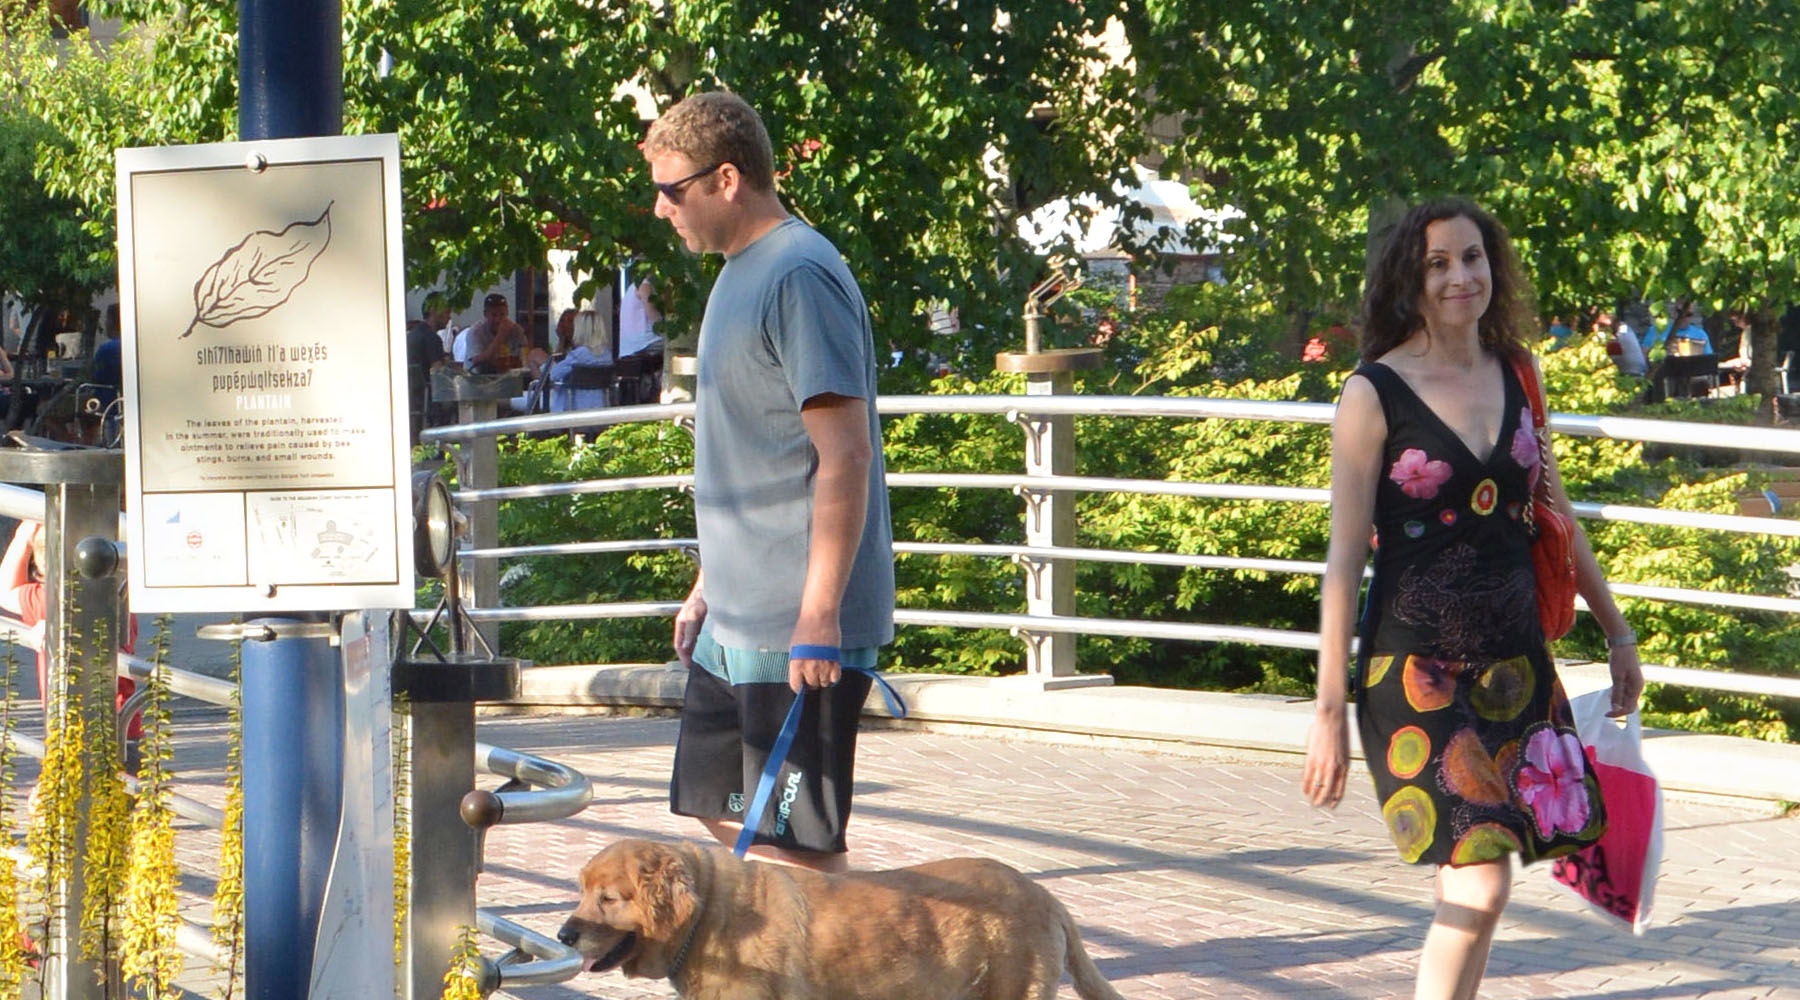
x=496, y=343
x=424, y=352
x=1686, y=335
x=638, y=317
x=790, y=497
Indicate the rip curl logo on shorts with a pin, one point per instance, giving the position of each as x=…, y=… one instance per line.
x=789, y=792
x=735, y=802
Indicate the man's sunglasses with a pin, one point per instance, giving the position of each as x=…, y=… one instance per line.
x=672, y=189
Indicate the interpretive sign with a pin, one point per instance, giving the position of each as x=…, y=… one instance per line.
x=262, y=302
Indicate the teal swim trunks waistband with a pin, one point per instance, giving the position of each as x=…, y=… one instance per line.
x=762, y=666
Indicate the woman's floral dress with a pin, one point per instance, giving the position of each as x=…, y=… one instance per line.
x=1463, y=720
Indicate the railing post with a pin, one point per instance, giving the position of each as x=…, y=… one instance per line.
x=440, y=696
x=478, y=468
x=1049, y=514
x=82, y=492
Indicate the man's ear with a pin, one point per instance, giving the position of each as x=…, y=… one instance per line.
x=666, y=894
x=731, y=180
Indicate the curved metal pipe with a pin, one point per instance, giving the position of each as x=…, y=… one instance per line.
x=561, y=791
x=554, y=962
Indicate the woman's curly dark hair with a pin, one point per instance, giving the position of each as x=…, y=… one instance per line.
x=1390, y=311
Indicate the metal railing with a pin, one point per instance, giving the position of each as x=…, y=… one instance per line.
x=1052, y=565
x=535, y=790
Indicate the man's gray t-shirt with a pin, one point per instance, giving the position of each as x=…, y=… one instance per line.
x=785, y=322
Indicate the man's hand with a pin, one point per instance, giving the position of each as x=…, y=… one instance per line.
x=687, y=625
x=803, y=674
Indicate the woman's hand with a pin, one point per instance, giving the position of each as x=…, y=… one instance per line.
x=1627, y=680
x=1327, y=757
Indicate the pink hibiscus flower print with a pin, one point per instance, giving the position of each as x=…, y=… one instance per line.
x=1552, y=782
x=1524, y=442
x=1418, y=474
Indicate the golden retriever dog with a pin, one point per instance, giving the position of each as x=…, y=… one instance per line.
x=723, y=929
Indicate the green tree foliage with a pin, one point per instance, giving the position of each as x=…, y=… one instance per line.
x=913, y=135
x=46, y=257
x=1635, y=150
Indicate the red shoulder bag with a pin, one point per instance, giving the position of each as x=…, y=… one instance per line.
x=1553, y=532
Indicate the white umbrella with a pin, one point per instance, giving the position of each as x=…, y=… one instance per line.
x=1095, y=230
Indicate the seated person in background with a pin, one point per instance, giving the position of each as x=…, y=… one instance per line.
x=551, y=391
x=638, y=317
x=496, y=343
x=459, y=347
x=590, y=352
x=565, y=334
x=1623, y=347
x=1686, y=336
x=22, y=594
x=109, y=368
x=424, y=352
x=1560, y=334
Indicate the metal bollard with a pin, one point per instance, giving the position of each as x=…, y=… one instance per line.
x=446, y=851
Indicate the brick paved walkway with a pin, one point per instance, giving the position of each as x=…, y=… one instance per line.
x=1193, y=874
x=1197, y=875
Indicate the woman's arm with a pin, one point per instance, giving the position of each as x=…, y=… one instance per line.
x=1590, y=581
x=15, y=566
x=1357, y=435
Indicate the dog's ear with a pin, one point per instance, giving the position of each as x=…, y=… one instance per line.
x=666, y=893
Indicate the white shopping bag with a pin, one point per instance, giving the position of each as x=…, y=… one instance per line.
x=1617, y=873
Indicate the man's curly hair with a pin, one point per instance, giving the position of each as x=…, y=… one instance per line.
x=716, y=127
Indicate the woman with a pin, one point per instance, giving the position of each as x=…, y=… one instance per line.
x=1463, y=722
x=576, y=381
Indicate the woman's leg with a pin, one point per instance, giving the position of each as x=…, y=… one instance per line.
x=1469, y=901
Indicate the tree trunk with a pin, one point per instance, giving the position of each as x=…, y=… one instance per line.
x=1761, y=378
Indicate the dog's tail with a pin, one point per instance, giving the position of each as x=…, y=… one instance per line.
x=1089, y=984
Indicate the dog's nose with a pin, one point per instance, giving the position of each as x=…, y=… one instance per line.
x=568, y=935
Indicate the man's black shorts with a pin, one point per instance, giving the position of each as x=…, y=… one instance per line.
x=726, y=733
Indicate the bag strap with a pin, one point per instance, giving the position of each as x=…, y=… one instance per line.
x=1540, y=493
x=1522, y=367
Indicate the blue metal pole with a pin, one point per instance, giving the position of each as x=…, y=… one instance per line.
x=293, y=773
x=290, y=83
x=290, y=68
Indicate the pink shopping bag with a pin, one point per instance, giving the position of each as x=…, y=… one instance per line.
x=1617, y=873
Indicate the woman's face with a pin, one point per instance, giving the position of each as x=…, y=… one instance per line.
x=1458, y=283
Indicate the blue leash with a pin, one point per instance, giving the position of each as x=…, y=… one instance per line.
x=778, y=754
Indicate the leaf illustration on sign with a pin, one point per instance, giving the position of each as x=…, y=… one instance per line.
x=259, y=274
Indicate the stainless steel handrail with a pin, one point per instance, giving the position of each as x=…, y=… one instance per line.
x=564, y=421
x=564, y=791
x=554, y=962
x=585, y=486
x=581, y=548
x=1311, y=567
x=1691, y=433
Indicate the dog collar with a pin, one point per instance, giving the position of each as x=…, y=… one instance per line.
x=686, y=943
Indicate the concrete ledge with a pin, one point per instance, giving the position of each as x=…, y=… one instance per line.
x=1685, y=763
